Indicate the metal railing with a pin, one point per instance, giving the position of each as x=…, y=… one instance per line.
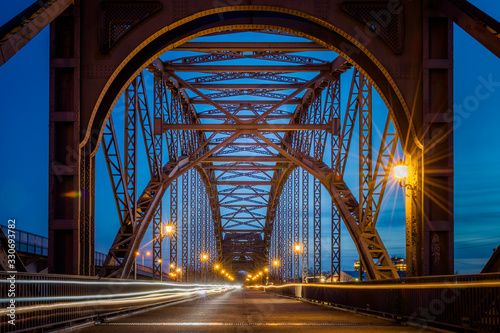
x=30, y=243
x=27, y=242
x=467, y=303
x=45, y=300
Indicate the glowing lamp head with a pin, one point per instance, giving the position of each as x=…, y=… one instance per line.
x=178, y=270
x=400, y=170
x=297, y=247
x=138, y=253
x=204, y=257
x=222, y=271
x=265, y=269
x=275, y=263
x=159, y=260
x=172, y=265
x=168, y=229
x=217, y=266
x=322, y=279
x=148, y=253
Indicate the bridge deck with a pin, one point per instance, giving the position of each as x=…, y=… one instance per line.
x=248, y=311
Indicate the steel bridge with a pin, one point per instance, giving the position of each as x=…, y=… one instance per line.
x=224, y=133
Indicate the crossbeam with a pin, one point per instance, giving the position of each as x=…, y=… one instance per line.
x=237, y=127
x=245, y=86
x=225, y=159
x=247, y=69
x=249, y=47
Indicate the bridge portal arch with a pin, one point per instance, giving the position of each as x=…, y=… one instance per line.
x=405, y=72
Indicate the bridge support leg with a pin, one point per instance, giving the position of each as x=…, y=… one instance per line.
x=71, y=168
x=430, y=209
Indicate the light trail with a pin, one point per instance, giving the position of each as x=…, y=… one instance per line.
x=123, y=299
x=434, y=285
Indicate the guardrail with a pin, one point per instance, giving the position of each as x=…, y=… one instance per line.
x=467, y=303
x=35, y=301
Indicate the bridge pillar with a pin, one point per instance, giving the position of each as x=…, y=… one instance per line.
x=429, y=221
x=71, y=168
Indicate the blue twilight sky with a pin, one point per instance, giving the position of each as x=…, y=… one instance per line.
x=24, y=147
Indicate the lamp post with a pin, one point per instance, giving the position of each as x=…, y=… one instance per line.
x=168, y=231
x=267, y=275
x=401, y=172
x=276, y=264
x=135, y=265
x=135, y=262
x=298, y=250
x=216, y=276
x=179, y=271
x=204, y=260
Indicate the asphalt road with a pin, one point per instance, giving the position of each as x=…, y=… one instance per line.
x=248, y=311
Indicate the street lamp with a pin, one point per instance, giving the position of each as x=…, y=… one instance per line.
x=179, y=271
x=204, y=259
x=276, y=264
x=168, y=231
x=401, y=172
x=135, y=262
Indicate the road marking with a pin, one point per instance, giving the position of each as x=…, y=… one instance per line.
x=245, y=324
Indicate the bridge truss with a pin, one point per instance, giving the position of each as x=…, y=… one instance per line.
x=245, y=132
x=251, y=130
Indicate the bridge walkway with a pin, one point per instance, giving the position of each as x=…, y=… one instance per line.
x=248, y=311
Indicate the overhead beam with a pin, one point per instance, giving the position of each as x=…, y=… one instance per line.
x=242, y=182
x=294, y=101
x=273, y=86
x=237, y=127
x=246, y=69
x=244, y=167
x=242, y=231
x=215, y=116
x=244, y=205
x=250, y=47
x=225, y=159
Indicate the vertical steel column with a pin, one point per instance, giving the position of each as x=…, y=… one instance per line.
x=203, y=245
x=87, y=212
x=199, y=226
x=335, y=243
x=296, y=223
x=159, y=113
x=430, y=218
x=317, y=227
x=65, y=155
x=130, y=161
x=305, y=225
x=365, y=145
x=290, y=251
x=365, y=149
x=192, y=230
x=184, y=217
x=174, y=211
x=185, y=226
x=334, y=93
x=280, y=240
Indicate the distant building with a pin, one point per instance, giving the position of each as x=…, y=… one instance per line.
x=399, y=262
